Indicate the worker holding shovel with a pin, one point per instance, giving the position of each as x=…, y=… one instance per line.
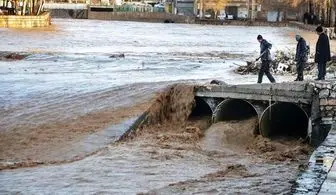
x=265, y=57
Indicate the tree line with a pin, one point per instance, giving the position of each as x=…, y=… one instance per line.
x=23, y=7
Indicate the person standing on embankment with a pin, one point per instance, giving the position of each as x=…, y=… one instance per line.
x=322, y=53
x=265, y=56
x=300, y=57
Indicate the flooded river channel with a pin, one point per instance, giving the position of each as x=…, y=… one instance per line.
x=63, y=106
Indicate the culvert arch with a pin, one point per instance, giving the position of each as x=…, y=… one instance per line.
x=201, y=109
x=284, y=119
x=234, y=109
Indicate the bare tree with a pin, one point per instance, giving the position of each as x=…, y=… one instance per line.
x=219, y=4
x=40, y=7
x=334, y=9
x=215, y=5
x=24, y=7
x=34, y=7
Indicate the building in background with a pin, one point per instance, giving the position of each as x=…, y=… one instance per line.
x=185, y=7
x=323, y=11
x=238, y=9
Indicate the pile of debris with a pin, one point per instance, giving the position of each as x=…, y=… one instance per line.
x=283, y=63
x=9, y=56
x=251, y=67
x=331, y=66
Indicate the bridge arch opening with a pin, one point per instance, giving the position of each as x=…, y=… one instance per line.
x=284, y=119
x=201, y=114
x=201, y=109
x=234, y=109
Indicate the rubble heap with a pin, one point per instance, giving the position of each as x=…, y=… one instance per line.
x=283, y=63
x=10, y=56
x=331, y=66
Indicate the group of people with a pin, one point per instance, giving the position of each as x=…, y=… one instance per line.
x=322, y=56
x=310, y=18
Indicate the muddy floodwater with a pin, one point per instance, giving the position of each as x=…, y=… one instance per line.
x=84, y=81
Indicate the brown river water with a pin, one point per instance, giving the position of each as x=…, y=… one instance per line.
x=63, y=107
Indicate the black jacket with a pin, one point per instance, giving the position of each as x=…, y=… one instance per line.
x=301, y=51
x=322, y=54
x=265, y=47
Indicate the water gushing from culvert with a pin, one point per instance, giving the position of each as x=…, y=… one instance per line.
x=201, y=114
x=284, y=119
x=234, y=109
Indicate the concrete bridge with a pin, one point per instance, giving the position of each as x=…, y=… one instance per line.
x=300, y=109
x=304, y=110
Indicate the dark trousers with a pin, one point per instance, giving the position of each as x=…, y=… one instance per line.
x=299, y=69
x=264, y=69
x=322, y=70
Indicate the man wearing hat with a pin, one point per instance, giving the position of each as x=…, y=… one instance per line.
x=300, y=57
x=265, y=56
x=322, y=53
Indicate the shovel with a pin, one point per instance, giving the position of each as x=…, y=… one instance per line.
x=249, y=64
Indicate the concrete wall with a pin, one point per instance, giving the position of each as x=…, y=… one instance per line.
x=327, y=96
x=242, y=23
x=78, y=6
x=69, y=13
x=329, y=31
x=25, y=21
x=140, y=16
x=67, y=10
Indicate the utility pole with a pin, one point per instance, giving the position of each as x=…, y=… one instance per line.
x=201, y=9
x=248, y=9
x=329, y=13
x=252, y=10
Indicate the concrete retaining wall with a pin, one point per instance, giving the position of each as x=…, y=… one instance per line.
x=25, y=21
x=330, y=31
x=320, y=163
x=241, y=22
x=69, y=13
x=140, y=16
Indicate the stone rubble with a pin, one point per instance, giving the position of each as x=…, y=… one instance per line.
x=284, y=63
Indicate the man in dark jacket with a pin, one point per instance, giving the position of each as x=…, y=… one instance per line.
x=300, y=57
x=322, y=53
x=265, y=57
